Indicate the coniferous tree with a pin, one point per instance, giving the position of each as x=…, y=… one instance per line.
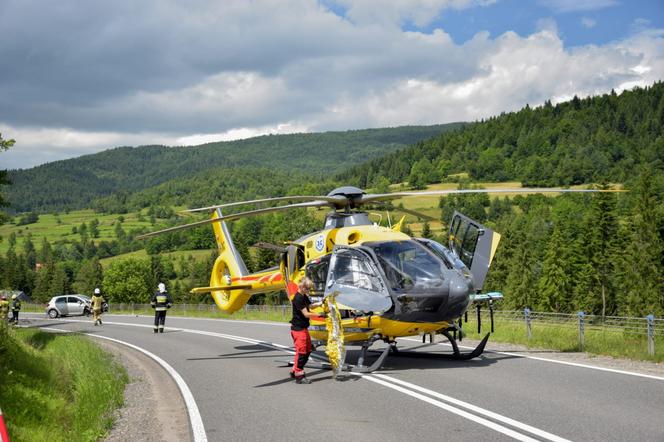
x=599, y=249
x=555, y=283
x=641, y=274
x=89, y=276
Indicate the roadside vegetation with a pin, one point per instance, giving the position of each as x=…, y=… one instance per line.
x=57, y=387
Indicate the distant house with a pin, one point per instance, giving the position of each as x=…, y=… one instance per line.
x=21, y=295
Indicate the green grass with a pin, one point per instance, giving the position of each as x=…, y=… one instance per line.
x=57, y=387
x=49, y=227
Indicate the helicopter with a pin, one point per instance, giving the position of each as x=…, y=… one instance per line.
x=386, y=284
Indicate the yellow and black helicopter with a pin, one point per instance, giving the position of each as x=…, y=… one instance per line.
x=386, y=284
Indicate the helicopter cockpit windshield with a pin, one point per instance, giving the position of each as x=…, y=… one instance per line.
x=408, y=266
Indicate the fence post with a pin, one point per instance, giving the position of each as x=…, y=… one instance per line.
x=529, y=331
x=582, y=336
x=651, y=334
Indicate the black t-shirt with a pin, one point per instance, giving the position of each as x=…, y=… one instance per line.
x=299, y=321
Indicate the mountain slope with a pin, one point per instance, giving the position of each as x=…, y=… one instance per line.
x=74, y=183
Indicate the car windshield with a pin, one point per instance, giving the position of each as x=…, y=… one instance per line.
x=85, y=298
x=408, y=265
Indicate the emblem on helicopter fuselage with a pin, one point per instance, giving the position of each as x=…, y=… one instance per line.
x=320, y=243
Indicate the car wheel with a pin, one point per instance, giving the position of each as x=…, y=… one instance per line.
x=52, y=313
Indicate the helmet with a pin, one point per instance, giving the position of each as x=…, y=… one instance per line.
x=14, y=296
x=161, y=287
x=97, y=291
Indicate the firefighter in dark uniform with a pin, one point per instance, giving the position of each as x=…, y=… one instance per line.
x=16, y=307
x=161, y=301
x=300, y=329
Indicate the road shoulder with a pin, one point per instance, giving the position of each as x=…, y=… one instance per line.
x=153, y=409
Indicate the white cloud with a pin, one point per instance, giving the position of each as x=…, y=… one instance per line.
x=562, y=6
x=588, y=22
x=515, y=71
x=197, y=73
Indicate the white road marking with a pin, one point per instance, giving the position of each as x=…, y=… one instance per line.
x=555, y=361
x=390, y=382
x=487, y=423
x=195, y=419
x=475, y=409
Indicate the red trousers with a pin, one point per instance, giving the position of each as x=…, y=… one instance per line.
x=303, y=348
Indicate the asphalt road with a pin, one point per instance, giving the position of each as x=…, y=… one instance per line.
x=243, y=391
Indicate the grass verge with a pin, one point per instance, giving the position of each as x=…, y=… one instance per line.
x=57, y=387
x=565, y=338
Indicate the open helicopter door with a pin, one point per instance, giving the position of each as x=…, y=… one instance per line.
x=354, y=276
x=474, y=244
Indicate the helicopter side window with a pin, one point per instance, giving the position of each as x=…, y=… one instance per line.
x=354, y=272
x=355, y=278
x=317, y=272
x=463, y=239
x=469, y=244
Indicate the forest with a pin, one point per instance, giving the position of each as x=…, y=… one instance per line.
x=600, y=253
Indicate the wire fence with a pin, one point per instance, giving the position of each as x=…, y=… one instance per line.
x=629, y=327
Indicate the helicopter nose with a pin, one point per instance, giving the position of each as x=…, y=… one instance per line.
x=458, y=296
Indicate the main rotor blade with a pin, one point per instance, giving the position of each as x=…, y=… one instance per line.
x=332, y=200
x=411, y=212
x=390, y=196
x=235, y=216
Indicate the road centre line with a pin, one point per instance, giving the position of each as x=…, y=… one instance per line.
x=538, y=358
x=477, y=419
x=400, y=386
x=195, y=419
x=475, y=409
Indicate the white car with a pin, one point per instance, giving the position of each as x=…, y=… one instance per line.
x=68, y=305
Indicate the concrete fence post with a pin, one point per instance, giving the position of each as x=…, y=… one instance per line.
x=651, y=334
x=529, y=330
x=582, y=334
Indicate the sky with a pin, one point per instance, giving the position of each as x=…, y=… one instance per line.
x=79, y=77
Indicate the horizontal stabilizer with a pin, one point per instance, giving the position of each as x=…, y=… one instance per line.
x=223, y=287
x=491, y=296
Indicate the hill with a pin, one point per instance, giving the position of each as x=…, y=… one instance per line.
x=74, y=183
x=601, y=138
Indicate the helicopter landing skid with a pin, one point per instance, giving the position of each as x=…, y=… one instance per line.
x=456, y=353
x=361, y=368
x=357, y=368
